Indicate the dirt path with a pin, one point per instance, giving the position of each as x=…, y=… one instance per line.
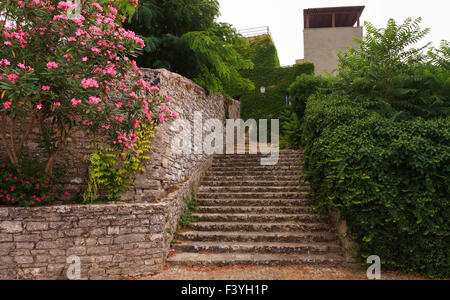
x=273, y=273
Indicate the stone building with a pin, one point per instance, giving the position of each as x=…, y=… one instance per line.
x=328, y=31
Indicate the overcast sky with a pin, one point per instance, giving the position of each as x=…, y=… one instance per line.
x=285, y=18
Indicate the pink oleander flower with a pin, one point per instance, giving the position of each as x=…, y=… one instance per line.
x=85, y=59
x=174, y=115
x=87, y=83
x=46, y=88
x=39, y=106
x=57, y=104
x=7, y=104
x=163, y=117
x=4, y=62
x=52, y=65
x=97, y=6
x=8, y=43
x=13, y=78
x=94, y=100
x=75, y=102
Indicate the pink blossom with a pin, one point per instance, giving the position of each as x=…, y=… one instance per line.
x=163, y=117
x=46, y=88
x=7, y=104
x=39, y=106
x=57, y=104
x=4, y=62
x=174, y=115
x=75, y=102
x=52, y=65
x=94, y=100
x=13, y=78
x=8, y=43
x=87, y=83
x=98, y=6
x=85, y=59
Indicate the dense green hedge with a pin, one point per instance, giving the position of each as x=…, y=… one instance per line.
x=268, y=73
x=391, y=180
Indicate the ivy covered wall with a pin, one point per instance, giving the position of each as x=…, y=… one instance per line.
x=267, y=73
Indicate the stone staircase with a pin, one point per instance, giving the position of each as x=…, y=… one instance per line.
x=255, y=215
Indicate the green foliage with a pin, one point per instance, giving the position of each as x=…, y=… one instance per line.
x=186, y=217
x=182, y=36
x=268, y=73
x=377, y=147
x=304, y=86
x=291, y=129
x=389, y=179
x=114, y=172
x=399, y=81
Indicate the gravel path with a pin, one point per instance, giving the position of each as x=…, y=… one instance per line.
x=272, y=273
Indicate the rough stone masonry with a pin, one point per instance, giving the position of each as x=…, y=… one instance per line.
x=118, y=240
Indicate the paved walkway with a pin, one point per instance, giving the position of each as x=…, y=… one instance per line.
x=272, y=273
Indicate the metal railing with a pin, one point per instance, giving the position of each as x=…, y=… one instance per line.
x=253, y=32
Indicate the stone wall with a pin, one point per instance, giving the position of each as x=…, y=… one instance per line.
x=112, y=241
x=118, y=240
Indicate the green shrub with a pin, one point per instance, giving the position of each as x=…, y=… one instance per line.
x=391, y=181
x=301, y=89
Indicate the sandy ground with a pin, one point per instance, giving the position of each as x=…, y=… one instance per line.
x=274, y=273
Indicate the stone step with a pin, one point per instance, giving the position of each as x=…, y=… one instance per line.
x=237, y=183
x=247, y=172
x=295, y=163
x=276, y=162
x=249, y=178
x=253, y=195
x=254, y=209
x=250, y=189
x=227, y=259
x=257, y=168
x=253, y=202
x=282, y=237
x=234, y=247
x=257, y=218
x=259, y=227
x=280, y=151
x=294, y=160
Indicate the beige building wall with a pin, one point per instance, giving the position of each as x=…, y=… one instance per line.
x=323, y=44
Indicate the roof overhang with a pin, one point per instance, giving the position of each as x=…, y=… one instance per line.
x=346, y=16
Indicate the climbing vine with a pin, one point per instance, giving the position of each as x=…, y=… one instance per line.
x=114, y=172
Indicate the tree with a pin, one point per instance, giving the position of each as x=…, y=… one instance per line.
x=391, y=76
x=182, y=36
x=62, y=74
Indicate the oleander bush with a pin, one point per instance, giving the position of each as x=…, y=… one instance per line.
x=64, y=69
x=377, y=147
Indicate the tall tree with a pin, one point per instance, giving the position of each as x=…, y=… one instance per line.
x=183, y=36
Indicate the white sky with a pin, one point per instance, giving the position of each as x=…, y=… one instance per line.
x=285, y=18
